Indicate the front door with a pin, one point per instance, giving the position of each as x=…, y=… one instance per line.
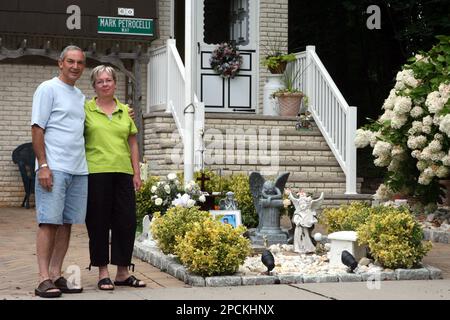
x=227, y=21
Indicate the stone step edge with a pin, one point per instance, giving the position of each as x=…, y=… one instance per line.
x=220, y=115
x=229, y=116
x=168, y=264
x=283, y=133
x=284, y=146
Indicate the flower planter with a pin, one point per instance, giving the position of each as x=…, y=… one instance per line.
x=279, y=69
x=289, y=104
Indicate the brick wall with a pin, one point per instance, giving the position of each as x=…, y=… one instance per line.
x=17, y=85
x=273, y=30
x=164, y=23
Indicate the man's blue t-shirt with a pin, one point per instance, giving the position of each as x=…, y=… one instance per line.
x=59, y=109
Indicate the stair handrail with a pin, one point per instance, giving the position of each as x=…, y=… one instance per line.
x=172, y=79
x=334, y=117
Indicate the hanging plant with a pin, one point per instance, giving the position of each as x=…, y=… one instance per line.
x=226, y=60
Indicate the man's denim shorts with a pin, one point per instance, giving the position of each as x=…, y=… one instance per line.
x=66, y=203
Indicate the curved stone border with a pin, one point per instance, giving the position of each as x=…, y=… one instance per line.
x=170, y=265
x=436, y=236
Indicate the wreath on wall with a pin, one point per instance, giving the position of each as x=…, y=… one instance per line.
x=226, y=60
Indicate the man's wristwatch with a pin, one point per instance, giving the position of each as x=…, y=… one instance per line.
x=44, y=165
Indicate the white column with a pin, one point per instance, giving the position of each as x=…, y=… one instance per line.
x=350, y=151
x=189, y=110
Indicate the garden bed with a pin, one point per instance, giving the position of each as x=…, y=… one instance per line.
x=171, y=265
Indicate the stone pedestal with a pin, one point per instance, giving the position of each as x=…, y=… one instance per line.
x=344, y=240
x=270, y=230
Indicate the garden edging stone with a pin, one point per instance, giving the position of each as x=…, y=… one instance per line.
x=170, y=265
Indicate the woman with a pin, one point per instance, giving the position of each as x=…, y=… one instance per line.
x=113, y=160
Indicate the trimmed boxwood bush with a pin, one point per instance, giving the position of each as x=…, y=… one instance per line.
x=212, y=248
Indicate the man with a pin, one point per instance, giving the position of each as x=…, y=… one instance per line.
x=61, y=192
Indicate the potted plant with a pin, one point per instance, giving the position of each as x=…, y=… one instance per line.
x=289, y=98
x=277, y=62
x=275, y=58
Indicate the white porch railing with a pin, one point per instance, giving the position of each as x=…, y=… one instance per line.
x=335, y=119
x=167, y=82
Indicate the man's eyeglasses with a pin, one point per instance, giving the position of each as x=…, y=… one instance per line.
x=106, y=81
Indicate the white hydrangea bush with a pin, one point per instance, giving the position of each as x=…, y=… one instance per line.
x=412, y=136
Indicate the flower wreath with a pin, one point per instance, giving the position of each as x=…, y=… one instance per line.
x=226, y=60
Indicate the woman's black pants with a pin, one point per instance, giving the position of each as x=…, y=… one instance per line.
x=111, y=205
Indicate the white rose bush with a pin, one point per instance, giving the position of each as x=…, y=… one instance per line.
x=412, y=136
x=170, y=193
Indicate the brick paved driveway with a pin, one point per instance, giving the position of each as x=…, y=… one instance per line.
x=18, y=265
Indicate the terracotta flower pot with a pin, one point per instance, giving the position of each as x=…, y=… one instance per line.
x=289, y=104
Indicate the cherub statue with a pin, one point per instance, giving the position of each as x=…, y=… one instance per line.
x=304, y=219
x=268, y=199
x=229, y=203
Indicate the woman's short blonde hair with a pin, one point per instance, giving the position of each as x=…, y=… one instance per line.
x=100, y=69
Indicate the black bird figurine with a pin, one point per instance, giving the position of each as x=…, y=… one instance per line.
x=349, y=260
x=268, y=260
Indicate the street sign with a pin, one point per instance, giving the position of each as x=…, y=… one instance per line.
x=126, y=26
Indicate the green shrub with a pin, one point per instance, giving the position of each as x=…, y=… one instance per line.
x=144, y=203
x=240, y=185
x=176, y=222
x=345, y=217
x=394, y=237
x=211, y=248
x=215, y=183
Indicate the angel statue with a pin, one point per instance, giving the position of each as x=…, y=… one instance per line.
x=268, y=199
x=304, y=219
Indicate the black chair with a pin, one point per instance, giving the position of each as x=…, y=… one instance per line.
x=24, y=157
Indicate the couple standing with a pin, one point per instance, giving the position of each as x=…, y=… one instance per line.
x=88, y=171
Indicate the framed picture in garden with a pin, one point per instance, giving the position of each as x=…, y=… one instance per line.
x=232, y=217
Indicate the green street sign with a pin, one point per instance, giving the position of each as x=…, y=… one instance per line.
x=128, y=26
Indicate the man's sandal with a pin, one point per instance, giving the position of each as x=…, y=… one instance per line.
x=131, y=281
x=62, y=284
x=43, y=290
x=105, y=282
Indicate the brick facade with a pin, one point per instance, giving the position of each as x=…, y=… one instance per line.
x=273, y=31
x=17, y=85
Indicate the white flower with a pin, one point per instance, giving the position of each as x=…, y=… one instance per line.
x=416, y=142
x=402, y=105
x=390, y=100
x=158, y=201
x=427, y=121
x=190, y=203
x=416, y=112
x=153, y=189
x=386, y=116
x=362, y=138
x=383, y=193
x=202, y=198
x=167, y=189
x=406, y=78
x=442, y=172
x=445, y=125
x=181, y=200
x=188, y=187
x=398, y=121
x=444, y=90
x=172, y=176
x=435, y=102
